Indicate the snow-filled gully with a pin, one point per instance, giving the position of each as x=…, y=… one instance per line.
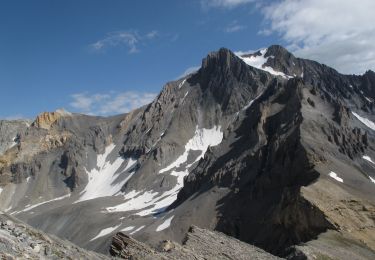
x=103, y=178
x=152, y=202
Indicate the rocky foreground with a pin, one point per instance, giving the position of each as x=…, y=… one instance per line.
x=20, y=241
x=199, y=244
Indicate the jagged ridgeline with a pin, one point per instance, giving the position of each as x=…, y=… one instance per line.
x=271, y=149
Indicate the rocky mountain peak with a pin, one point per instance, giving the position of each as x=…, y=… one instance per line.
x=46, y=119
x=223, y=59
x=278, y=51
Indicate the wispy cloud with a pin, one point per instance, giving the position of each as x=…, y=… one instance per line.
x=110, y=103
x=338, y=33
x=151, y=35
x=223, y=3
x=130, y=39
x=234, y=27
x=189, y=71
x=241, y=53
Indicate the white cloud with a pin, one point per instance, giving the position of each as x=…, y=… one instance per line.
x=130, y=39
x=335, y=32
x=151, y=35
x=241, y=53
x=189, y=71
x=224, y=3
x=110, y=103
x=234, y=27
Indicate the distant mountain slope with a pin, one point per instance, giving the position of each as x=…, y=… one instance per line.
x=266, y=147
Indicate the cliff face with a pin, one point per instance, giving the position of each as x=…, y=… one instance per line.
x=268, y=148
x=46, y=119
x=10, y=131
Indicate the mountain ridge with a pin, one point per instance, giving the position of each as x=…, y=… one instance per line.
x=266, y=130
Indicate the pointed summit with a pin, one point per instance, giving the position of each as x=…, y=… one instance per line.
x=223, y=60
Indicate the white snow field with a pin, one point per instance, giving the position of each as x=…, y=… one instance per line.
x=102, y=178
x=259, y=61
x=151, y=202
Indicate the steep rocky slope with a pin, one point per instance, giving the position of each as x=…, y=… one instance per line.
x=198, y=244
x=266, y=147
x=20, y=241
x=9, y=131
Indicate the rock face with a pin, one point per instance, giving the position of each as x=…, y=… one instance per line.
x=271, y=149
x=20, y=241
x=9, y=133
x=46, y=119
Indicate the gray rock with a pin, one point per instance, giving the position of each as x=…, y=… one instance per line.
x=199, y=244
x=11, y=248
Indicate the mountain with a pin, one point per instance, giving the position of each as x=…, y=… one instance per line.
x=271, y=149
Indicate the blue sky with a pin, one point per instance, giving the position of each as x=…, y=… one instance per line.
x=107, y=57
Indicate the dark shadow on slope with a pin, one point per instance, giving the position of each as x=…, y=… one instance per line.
x=265, y=169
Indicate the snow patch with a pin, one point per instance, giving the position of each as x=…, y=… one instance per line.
x=258, y=61
x=150, y=202
x=105, y=232
x=138, y=229
x=202, y=139
x=334, y=176
x=30, y=207
x=367, y=158
x=14, y=143
x=372, y=179
x=183, y=99
x=130, y=228
x=102, y=178
x=365, y=121
x=251, y=102
x=182, y=83
x=165, y=224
